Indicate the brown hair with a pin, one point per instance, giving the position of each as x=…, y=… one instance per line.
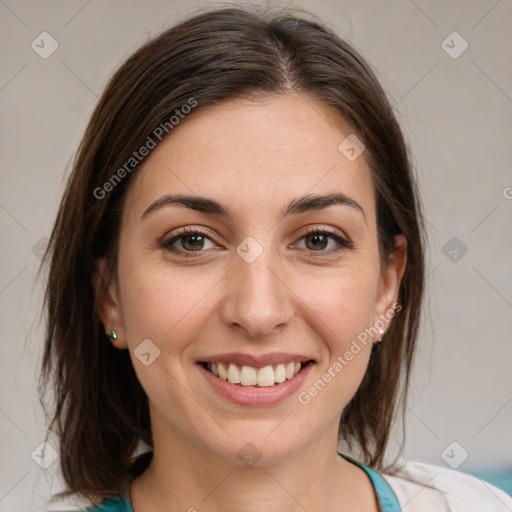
x=100, y=411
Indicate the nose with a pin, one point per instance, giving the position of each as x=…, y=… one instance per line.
x=257, y=300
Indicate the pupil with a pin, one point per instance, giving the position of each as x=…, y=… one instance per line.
x=317, y=237
x=195, y=242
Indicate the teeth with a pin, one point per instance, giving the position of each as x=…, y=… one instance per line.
x=249, y=376
x=223, y=374
x=233, y=374
x=280, y=373
x=266, y=376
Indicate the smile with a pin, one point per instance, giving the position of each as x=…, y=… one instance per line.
x=255, y=380
x=251, y=376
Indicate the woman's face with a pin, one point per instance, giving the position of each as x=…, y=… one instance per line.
x=248, y=286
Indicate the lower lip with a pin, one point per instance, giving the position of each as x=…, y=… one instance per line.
x=254, y=395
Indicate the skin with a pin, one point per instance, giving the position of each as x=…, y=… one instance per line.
x=253, y=157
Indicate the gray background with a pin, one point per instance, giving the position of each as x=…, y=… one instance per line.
x=457, y=115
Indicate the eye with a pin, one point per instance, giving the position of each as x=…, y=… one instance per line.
x=317, y=240
x=191, y=239
x=186, y=240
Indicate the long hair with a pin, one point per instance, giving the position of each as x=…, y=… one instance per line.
x=99, y=410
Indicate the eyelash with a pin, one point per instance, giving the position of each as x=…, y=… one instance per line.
x=187, y=231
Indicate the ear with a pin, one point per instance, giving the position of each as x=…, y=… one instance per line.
x=108, y=303
x=389, y=283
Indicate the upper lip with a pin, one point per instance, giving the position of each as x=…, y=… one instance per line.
x=242, y=359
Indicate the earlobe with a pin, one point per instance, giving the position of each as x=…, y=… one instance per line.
x=108, y=304
x=391, y=277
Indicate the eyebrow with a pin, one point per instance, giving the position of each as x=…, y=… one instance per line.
x=298, y=205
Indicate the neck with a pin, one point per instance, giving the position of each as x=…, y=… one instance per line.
x=191, y=479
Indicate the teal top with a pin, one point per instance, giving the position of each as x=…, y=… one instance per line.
x=385, y=495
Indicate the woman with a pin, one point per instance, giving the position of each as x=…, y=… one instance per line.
x=235, y=284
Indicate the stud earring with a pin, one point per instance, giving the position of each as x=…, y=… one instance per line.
x=381, y=332
x=113, y=337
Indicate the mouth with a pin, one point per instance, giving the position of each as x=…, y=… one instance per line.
x=263, y=380
x=246, y=375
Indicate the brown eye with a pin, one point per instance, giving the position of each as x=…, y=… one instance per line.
x=192, y=242
x=318, y=241
x=187, y=240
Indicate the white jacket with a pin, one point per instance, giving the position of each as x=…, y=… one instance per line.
x=422, y=487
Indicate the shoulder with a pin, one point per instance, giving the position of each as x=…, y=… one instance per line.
x=109, y=505
x=423, y=486
x=112, y=505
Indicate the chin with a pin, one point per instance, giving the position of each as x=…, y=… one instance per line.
x=258, y=448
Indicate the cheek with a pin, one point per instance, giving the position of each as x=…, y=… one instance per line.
x=168, y=305
x=345, y=302
x=168, y=308
x=344, y=307
x=160, y=304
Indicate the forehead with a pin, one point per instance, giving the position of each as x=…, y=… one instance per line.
x=250, y=154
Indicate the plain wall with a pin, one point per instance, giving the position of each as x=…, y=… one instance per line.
x=457, y=115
